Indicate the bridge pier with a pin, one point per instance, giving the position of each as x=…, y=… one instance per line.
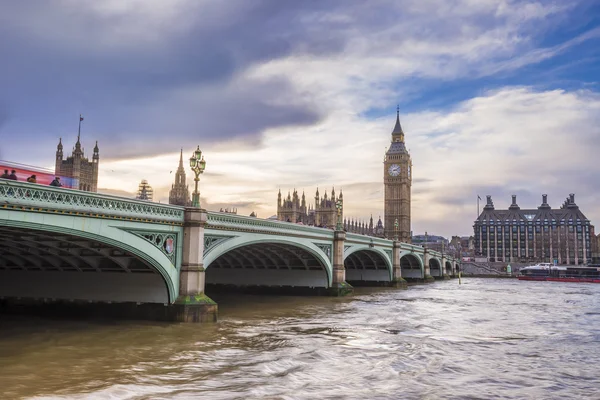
x=193, y=305
x=397, y=280
x=426, y=267
x=339, y=286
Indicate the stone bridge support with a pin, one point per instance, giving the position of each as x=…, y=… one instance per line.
x=426, y=258
x=397, y=280
x=193, y=305
x=339, y=286
x=445, y=274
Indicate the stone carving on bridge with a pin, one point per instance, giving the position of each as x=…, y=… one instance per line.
x=325, y=248
x=210, y=241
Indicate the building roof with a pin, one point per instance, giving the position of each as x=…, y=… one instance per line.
x=570, y=210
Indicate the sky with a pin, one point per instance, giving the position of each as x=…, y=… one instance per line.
x=496, y=97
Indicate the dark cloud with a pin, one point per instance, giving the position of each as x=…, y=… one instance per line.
x=142, y=94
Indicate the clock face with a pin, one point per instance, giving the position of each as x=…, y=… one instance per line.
x=394, y=170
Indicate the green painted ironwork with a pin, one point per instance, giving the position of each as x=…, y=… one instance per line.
x=210, y=241
x=166, y=242
x=108, y=232
x=327, y=249
x=241, y=223
x=390, y=255
x=48, y=198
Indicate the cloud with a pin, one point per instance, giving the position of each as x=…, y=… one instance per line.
x=296, y=94
x=517, y=140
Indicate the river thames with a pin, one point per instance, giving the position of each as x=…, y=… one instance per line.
x=483, y=339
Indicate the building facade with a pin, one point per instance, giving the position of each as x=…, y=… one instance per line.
x=180, y=192
x=397, y=181
x=145, y=191
x=534, y=235
x=295, y=209
x=76, y=166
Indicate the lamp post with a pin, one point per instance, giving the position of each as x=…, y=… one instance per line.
x=396, y=229
x=425, y=246
x=197, y=164
x=339, y=205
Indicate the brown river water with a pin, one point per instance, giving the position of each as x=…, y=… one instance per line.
x=482, y=339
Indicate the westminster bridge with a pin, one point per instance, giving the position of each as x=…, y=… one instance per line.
x=63, y=246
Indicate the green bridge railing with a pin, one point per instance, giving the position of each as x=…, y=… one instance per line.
x=49, y=198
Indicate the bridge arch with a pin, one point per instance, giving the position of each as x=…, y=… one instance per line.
x=265, y=260
x=367, y=264
x=411, y=265
x=81, y=258
x=448, y=267
x=435, y=268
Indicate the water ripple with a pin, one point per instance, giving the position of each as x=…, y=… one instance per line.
x=484, y=339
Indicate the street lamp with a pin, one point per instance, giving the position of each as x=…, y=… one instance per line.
x=339, y=205
x=197, y=164
x=396, y=229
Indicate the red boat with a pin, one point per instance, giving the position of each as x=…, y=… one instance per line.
x=548, y=272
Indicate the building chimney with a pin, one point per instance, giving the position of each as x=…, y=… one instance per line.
x=489, y=203
x=544, y=199
x=514, y=199
x=572, y=198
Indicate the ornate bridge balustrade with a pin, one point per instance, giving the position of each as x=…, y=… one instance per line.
x=65, y=244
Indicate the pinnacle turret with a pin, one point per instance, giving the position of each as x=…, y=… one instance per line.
x=397, y=128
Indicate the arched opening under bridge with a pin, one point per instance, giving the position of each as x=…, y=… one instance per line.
x=411, y=267
x=37, y=264
x=448, y=268
x=367, y=267
x=435, y=268
x=267, y=265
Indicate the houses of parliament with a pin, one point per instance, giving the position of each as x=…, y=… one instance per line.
x=294, y=208
x=397, y=181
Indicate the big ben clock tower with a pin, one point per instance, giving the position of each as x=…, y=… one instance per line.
x=397, y=179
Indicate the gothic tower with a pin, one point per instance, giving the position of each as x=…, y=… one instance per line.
x=179, y=193
x=397, y=179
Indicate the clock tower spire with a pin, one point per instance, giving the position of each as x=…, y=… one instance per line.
x=397, y=181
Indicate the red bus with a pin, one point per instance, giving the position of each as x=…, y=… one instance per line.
x=43, y=175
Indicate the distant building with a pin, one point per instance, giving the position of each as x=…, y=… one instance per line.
x=595, y=246
x=540, y=235
x=145, y=191
x=362, y=228
x=295, y=209
x=83, y=171
x=179, y=193
x=432, y=242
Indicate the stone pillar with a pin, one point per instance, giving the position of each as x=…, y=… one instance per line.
x=339, y=286
x=426, y=257
x=443, y=266
x=397, y=280
x=193, y=305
